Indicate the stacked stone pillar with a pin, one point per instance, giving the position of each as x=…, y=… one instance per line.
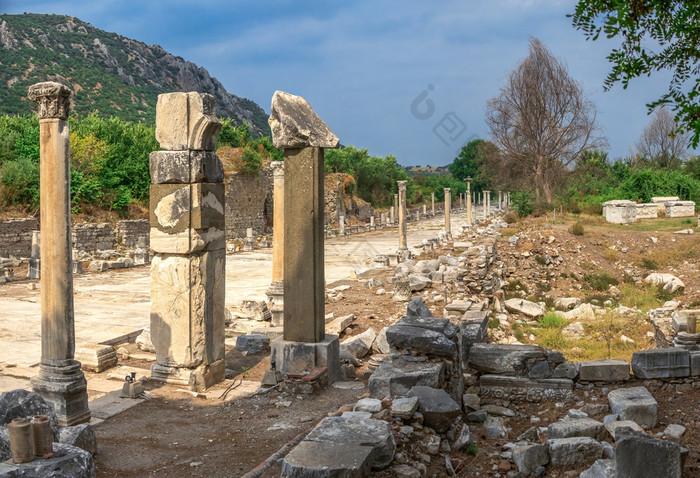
x=276, y=289
x=303, y=136
x=448, y=206
x=188, y=239
x=59, y=380
x=403, y=247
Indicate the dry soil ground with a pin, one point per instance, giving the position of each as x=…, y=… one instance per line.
x=176, y=435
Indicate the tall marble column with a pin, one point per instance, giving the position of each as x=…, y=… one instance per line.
x=59, y=380
x=402, y=216
x=276, y=290
x=448, y=207
x=303, y=136
x=487, y=204
x=396, y=208
x=188, y=271
x=468, y=180
x=432, y=203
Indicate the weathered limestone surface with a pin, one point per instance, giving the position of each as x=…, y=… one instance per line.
x=96, y=357
x=66, y=461
x=680, y=208
x=605, y=370
x=294, y=124
x=523, y=389
x=620, y=211
x=59, y=381
x=637, y=454
x=187, y=235
x=504, y=359
x=661, y=363
x=647, y=211
x=634, y=403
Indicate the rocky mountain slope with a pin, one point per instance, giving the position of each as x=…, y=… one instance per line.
x=108, y=73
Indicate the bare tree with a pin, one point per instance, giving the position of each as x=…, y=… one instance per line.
x=541, y=121
x=660, y=143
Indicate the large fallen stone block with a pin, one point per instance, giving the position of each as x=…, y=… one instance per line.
x=417, y=308
x=355, y=430
x=637, y=454
x=605, y=370
x=81, y=436
x=505, y=359
x=574, y=451
x=525, y=307
x=529, y=457
x=253, y=344
x=419, y=339
x=636, y=404
x=668, y=282
x=603, y=468
x=473, y=330
x=661, y=363
x=396, y=376
x=438, y=408
x=325, y=459
x=95, y=357
x=359, y=345
x=578, y=427
x=23, y=404
x=67, y=461
x=523, y=389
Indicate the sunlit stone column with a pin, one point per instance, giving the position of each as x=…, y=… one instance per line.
x=396, y=208
x=59, y=381
x=432, y=203
x=303, y=136
x=487, y=203
x=402, y=216
x=468, y=180
x=448, y=206
x=276, y=290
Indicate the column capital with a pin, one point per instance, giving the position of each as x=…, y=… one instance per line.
x=53, y=99
x=294, y=124
x=402, y=185
x=277, y=169
x=447, y=190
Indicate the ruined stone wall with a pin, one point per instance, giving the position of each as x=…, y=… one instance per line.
x=92, y=237
x=133, y=233
x=249, y=203
x=16, y=236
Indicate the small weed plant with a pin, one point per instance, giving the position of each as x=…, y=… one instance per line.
x=600, y=281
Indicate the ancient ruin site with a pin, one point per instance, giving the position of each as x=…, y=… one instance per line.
x=191, y=287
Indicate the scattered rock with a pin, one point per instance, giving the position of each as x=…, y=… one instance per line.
x=634, y=403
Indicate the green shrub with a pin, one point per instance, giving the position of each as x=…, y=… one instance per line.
x=20, y=180
x=577, y=229
x=552, y=320
x=523, y=202
x=252, y=163
x=649, y=264
x=600, y=281
x=540, y=260
x=511, y=217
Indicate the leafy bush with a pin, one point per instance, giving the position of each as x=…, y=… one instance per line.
x=523, y=202
x=20, y=180
x=649, y=264
x=600, y=281
x=577, y=229
x=251, y=162
x=511, y=217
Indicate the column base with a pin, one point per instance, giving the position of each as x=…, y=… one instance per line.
x=276, y=294
x=64, y=388
x=299, y=357
x=196, y=379
x=403, y=254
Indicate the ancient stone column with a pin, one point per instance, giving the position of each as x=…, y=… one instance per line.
x=468, y=180
x=341, y=225
x=487, y=203
x=396, y=208
x=432, y=203
x=382, y=219
x=249, y=240
x=188, y=238
x=304, y=345
x=59, y=380
x=448, y=206
x=34, y=270
x=276, y=290
x=371, y=222
x=402, y=216
x=500, y=200
x=392, y=215
x=425, y=210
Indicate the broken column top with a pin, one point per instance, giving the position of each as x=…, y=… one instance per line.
x=294, y=124
x=402, y=185
x=186, y=121
x=53, y=99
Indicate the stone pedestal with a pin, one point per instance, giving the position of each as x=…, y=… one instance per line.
x=187, y=237
x=303, y=136
x=402, y=216
x=276, y=289
x=59, y=381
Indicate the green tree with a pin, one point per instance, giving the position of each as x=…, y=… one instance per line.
x=655, y=35
x=470, y=162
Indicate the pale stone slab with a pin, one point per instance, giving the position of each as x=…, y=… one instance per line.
x=186, y=121
x=605, y=370
x=294, y=124
x=518, y=388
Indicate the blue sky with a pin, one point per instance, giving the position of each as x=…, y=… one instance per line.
x=362, y=64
